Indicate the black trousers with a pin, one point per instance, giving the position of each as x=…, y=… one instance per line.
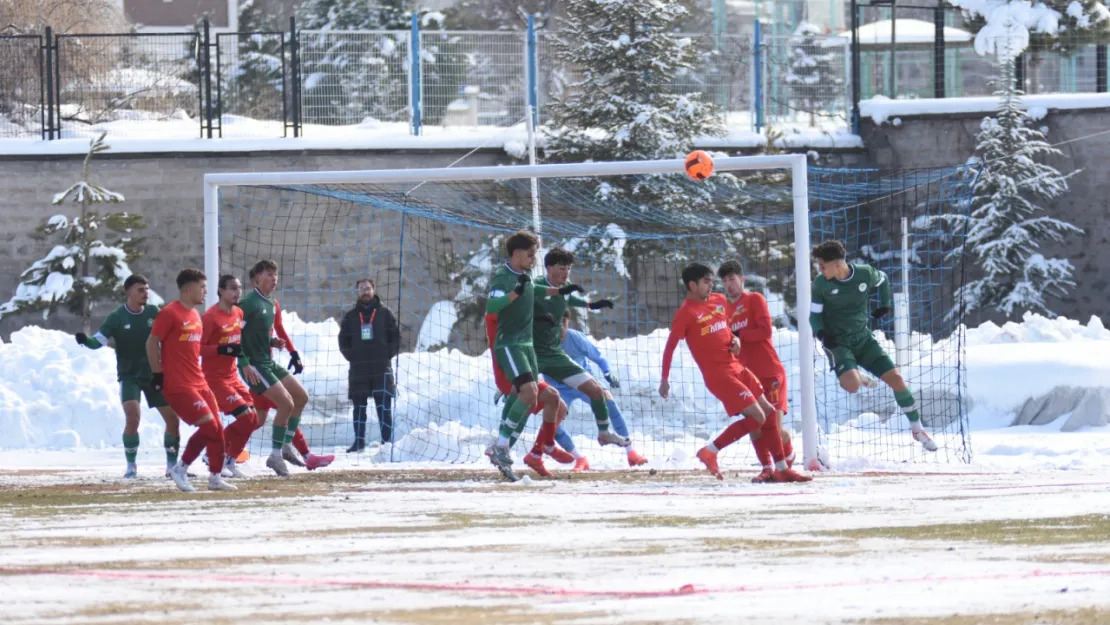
x=381, y=391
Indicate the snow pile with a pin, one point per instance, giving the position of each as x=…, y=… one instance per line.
x=880, y=108
x=1038, y=329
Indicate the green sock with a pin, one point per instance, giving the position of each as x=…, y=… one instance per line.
x=279, y=436
x=172, y=444
x=514, y=413
x=130, y=447
x=518, y=430
x=909, y=406
x=601, y=413
x=291, y=429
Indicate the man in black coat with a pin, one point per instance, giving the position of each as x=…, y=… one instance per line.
x=369, y=339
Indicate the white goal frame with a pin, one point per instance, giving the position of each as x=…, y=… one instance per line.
x=796, y=163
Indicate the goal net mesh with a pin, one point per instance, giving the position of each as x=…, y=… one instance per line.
x=432, y=248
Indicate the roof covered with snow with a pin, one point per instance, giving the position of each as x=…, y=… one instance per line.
x=906, y=31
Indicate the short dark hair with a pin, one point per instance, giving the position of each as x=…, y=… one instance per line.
x=729, y=268
x=694, y=272
x=261, y=266
x=369, y=280
x=226, y=280
x=522, y=240
x=558, y=256
x=134, y=279
x=830, y=250
x=188, y=276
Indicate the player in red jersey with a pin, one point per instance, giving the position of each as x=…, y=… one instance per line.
x=749, y=319
x=220, y=349
x=505, y=389
x=263, y=405
x=173, y=349
x=702, y=322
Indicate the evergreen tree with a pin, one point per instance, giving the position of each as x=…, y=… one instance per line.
x=812, y=78
x=1063, y=26
x=253, y=86
x=92, y=260
x=1007, y=227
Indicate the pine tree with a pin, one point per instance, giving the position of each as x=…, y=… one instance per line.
x=91, y=261
x=1007, y=227
x=1063, y=26
x=812, y=78
x=253, y=85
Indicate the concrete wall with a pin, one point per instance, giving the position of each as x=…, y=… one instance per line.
x=950, y=139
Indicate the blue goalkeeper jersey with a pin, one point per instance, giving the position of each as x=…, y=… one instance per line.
x=582, y=351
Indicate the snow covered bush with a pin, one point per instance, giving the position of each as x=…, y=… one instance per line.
x=1008, y=27
x=90, y=260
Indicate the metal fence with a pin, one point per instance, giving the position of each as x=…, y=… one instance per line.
x=22, y=94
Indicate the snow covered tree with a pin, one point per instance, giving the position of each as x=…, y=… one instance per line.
x=812, y=78
x=253, y=85
x=1006, y=226
x=91, y=261
x=1007, y=27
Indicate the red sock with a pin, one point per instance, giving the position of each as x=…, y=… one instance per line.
x=192, y=448
x=761, y=451
x=787, y=447
x=300, y=443
x=213, y=432
x=735, y=432
x=770, y=438
x=237, y=434
x=544, y=438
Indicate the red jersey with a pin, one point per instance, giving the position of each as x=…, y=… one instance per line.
x=704, y=325
x=220, y=328
x=491, y=337
x=180, y=331
x=750, y=319
x=279, y=328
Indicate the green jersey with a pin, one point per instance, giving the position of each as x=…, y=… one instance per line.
x=258, y=326
x=129, y=330
x=841, y=307
x=514, y=319
x=548, y=337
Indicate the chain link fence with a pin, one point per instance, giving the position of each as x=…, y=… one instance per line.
x=354, y=77
x=252, y=84
x=473, y=78
x=22, y=101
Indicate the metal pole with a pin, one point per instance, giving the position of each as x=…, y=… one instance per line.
x=206, y=77
x=892, y=82
x=902, y=304
x=757, y=71
x=939, y=78
x=537, y=224
x=1100, y=69
x=531, y=66
x=855, y=67
x=414, y=75
x=211, y=238
x=802, y=279
x=48, y=82
x=294, y=61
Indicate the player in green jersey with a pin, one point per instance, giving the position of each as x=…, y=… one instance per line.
x=511, y=298
x=128, y=328
x=840, y=319
x=547, y=334
x=265, y=376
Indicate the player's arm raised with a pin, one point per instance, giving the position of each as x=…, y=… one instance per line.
x=499, y=300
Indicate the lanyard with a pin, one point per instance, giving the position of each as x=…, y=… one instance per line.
x=372, y=315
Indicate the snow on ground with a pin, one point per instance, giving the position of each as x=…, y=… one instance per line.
x=881, y=108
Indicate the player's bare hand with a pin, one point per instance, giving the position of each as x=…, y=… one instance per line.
x=251, y=376
x=664, y=389
x=734, y=346
x=276, y=342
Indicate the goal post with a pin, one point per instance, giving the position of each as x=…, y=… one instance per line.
x=485, y=202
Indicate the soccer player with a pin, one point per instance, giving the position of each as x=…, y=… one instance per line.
x=264, y=375
x=839, y=318
x=582, y=351
x=703, y=323
x=547, y=333
x=173, y=349
x=221, y=347
x=128, y=327
x=511, y=298
x=749, y=319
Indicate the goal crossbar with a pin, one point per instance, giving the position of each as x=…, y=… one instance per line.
x=796, y=163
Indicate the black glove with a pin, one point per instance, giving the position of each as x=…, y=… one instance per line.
x=879, y=313
x=230, y=349
x=521, y=280
x=599, y=304
x=567, y=289
x=613, y=380
x=545, y=318
x=81, y=338
x=828, y=340
x=295, y=364
x=157, y=381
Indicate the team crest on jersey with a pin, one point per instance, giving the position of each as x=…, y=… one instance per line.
x=834, y=292
x=720, y=308
x=150, y=323
x=862, y=287
x=127, y=326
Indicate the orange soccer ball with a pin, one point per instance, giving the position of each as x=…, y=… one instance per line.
x=699, y=165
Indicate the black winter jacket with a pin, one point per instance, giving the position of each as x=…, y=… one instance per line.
x=369, y=359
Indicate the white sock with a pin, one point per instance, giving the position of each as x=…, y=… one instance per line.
x=780, y=465
x=502, y=441
x=711, y=447
x=574, y=452
x=275, y=453
x=915, y=426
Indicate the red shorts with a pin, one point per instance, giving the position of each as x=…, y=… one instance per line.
x=505, y=387
x=262, y=403
x=193, y=404
x=231, y=394
x=737, y=389
x=774, y=389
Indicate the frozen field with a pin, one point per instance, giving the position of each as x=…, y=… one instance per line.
x=457, y=545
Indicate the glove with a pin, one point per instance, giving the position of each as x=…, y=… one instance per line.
x=521, y=280
x=599, y=304
x=497, y=397
x=546, y=318
x=613, y=380
x=81, y=338
x=879, y=313
x=157, y=381
x=295, y=364
x=567, y=289
x=231, y=349
x=828, y=340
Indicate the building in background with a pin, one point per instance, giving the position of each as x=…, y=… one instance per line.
x=152, y=16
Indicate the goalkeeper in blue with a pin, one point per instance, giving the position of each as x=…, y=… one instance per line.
x=840, y=319
x=582, y=351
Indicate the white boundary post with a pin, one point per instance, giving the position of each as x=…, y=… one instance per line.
x=799, y=170
x=211, y=240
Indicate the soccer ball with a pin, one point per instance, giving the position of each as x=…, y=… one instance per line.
x=699, y=165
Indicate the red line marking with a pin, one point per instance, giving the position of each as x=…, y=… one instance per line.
x=666, y=493
x=688, y=589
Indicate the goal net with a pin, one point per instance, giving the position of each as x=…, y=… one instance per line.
x=431, y=240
